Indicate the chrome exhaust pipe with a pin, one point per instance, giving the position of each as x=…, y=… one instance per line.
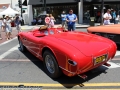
x=83, y=76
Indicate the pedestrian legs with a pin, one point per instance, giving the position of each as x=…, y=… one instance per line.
x=71, y=27
x=18, y=28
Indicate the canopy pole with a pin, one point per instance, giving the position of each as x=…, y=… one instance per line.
x=11, y=3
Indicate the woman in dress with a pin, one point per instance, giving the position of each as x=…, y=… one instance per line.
x=8, y=28
x=52, y=20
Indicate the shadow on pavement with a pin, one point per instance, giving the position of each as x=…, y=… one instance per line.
x=68, y=82
x=118, y=47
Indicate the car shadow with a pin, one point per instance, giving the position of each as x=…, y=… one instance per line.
x=118, y=47
x=70, y=82
x=65, y=81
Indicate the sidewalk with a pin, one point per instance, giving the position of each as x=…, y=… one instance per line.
x=3, y=34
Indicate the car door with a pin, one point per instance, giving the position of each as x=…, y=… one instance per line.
x=24, y=39
x=34, y=44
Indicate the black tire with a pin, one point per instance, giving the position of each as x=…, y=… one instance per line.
x=51, y=64
x=97, y=34
x=22, y=47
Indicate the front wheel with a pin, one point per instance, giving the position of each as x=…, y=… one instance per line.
x=51, y=65
x=22, y=47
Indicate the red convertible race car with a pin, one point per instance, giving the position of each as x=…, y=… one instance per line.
x=71, y=53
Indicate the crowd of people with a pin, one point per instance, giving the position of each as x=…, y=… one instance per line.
x=68, y=20
x=5, y=25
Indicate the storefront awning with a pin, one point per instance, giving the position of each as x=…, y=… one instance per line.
x=101, y=0
x=25, y=3
x=36, y=2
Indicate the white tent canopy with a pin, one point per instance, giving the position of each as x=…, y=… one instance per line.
x=9, y=11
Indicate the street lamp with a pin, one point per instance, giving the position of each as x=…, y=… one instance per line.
x=44, y=5
x=20, y=5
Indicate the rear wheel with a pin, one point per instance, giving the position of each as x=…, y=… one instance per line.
x=22, y=47
x=51, y=65
x=97, y=34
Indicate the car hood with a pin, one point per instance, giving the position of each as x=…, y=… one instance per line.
x=88, y=44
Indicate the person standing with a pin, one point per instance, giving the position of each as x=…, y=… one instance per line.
x=117, y=19
x=52, y=21
x=0, y=27
x=63, y=17
x=8, y=27
x=71, y=19
x=47, y=20
x=107, y=17
x=17, y=23
x=113, y=16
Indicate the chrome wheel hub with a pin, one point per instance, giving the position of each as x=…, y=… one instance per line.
x=49, y=64
x=21, y=45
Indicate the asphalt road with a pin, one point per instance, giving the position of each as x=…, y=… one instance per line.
x=17, y=68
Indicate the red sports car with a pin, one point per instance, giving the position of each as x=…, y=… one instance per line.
x=71, y=53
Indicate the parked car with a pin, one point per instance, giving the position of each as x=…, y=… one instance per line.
x=42, y=18
x=109, y=31
x=71, y=53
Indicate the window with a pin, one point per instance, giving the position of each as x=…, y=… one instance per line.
x=4, y=7
x=46, y=32
x=51, y=32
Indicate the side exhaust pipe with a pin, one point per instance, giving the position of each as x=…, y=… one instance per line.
x=107, y=64
x=83, y=76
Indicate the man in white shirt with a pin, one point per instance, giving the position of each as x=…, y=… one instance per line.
x=107, y=16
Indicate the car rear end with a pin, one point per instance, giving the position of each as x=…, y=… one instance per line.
x=93, y=50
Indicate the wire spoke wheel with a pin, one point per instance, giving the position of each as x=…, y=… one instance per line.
x=49, y=64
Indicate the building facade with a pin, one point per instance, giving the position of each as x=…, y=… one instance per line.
x=84, y=9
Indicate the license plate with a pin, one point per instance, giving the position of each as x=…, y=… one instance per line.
x=100, y=59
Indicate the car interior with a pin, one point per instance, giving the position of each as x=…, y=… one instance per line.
x=44, y=31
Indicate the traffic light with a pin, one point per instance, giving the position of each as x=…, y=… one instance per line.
x=19, y=3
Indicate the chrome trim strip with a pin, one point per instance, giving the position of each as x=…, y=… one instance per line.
x=67, y=70
x=34, y=52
